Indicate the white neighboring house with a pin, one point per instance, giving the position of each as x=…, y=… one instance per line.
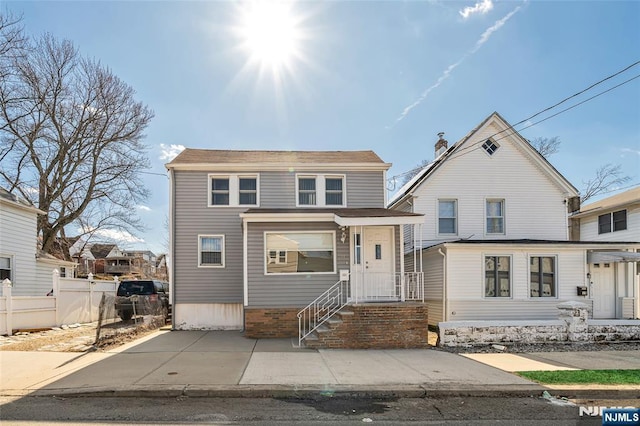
x=29, y=271
x=495, y=243
x=615, y=218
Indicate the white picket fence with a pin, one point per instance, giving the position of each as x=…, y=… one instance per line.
x=72, y=301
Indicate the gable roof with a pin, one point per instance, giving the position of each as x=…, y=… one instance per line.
x=197, y=158
x=623, y=199
x=428, y=170
x=101, y=251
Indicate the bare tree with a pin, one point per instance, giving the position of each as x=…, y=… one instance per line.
x=608, y=177
x=546, y=146
x=71, y=140
x=406, y=177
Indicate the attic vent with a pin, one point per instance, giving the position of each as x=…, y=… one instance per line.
x=490, y=146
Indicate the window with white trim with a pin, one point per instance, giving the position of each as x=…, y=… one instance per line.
x=612, y=222
x=448, y=217
x=320, y=190
x=497, y=276
x=300, y=252
x=5, y=269
x=495, y=216
x=211, y=251
x=490, y=147
x=233, y=190
x=542, y=282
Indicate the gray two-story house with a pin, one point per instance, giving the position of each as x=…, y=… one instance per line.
x=274, y=242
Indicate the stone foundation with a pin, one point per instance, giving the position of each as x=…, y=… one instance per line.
x=573, y=325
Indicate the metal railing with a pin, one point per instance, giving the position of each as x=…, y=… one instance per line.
x=322, y=308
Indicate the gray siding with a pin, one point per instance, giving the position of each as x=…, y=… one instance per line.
x=192, y=217
x=283, y=290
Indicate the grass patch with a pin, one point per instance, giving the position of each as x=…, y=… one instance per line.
x=578, y=377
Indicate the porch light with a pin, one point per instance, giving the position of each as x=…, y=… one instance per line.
x=343, y=236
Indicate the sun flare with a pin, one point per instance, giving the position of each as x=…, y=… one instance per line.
x=270, y=34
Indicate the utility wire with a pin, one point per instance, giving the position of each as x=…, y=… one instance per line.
x=512, y=127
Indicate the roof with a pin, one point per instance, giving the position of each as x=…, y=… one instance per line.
x=12, y=199
x=215, y=156
x=626, y=198
x=101, y=251
x=427, y=170
x=341, y=212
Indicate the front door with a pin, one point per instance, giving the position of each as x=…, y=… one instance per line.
x=603, y=290
x=372, y=275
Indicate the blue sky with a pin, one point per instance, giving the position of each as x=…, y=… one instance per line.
x=386, y=76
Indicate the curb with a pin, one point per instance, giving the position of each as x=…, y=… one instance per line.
x=341, y=391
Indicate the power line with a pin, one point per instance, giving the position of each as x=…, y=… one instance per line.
x=512, y=127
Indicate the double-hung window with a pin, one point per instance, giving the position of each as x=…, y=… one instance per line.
x=495, y=216
x=5, y=269
x=543, y=276
x=320, y=190
x=612, y=222
x=220, y=191
x=333, y=191
x=300, y=252
x=307, y=191
x=211, y=251
x=447, y=217
x=497, y=276
x=233, y=190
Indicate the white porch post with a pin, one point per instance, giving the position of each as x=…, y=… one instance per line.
x=55, y=282
x=6, y=293
x=401, y=254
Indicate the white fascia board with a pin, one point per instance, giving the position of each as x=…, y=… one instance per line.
x=601, y=209
x=549, y=246
x=287, y=217
x=58, y=262
x=370, y=221
x=262, y=167
x=23, y=207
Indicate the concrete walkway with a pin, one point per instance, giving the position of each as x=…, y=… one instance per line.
x=224, y=363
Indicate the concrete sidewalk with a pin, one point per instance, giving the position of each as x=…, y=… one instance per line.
x=224, y=363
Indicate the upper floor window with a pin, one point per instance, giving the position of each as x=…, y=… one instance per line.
x=542, y=282
x=612, y=222
x=5, y=269
x=320, y=190
x=490, y=146
x=495, y=216
x=211, y=250
x=233, y=190
x=497, y=276
x=447, y=217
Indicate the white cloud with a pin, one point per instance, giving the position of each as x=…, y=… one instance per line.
x=114, y=235
x=630, y=151
x=447, y=72
x=482, y=8
x=169, y=152
x=144, y=208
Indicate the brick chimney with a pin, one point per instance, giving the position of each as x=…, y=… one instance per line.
x=441, y=145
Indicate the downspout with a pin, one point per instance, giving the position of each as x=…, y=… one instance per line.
x=245, y=269
x=172, y=252
x=445, y=301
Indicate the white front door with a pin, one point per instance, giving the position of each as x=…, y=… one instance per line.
x=372, y=269
x=603, y=290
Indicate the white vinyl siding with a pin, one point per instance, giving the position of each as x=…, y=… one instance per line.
x=18, y=243
x=465, y=267
x=589, y=227
x=535, y=207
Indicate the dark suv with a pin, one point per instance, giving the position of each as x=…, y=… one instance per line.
x=142, y=297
